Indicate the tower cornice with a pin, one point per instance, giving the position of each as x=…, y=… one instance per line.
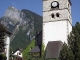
x=70, y=2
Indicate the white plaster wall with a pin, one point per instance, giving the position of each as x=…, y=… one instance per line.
x=55, y=31
x=70, y=27
x=7, y=46
x=17, y=53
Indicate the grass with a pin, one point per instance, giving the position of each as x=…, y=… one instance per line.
x=27, y=49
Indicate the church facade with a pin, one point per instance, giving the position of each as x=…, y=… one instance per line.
x=57, y=20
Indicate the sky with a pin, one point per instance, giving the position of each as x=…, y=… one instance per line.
x=36, y=6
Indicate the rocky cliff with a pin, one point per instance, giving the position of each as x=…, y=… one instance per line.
x=23, y=24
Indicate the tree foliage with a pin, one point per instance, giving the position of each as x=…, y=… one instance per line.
x=74, y=41
x=2, y=57
x=72, y=51
x=2, y=44
x=2, y=34
x=66, y=53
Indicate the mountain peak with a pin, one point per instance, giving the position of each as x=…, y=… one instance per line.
x=13, y=14
x=23, y=24
x=12, y=8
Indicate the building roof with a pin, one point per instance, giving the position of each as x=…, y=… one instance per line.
x=7, y=31
x=35, y=50
x=3, y=29
x=18, y=50
x=53, y=49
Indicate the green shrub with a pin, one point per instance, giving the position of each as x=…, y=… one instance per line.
x=2, y=57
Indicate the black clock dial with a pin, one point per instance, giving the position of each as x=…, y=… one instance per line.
x=54, y=4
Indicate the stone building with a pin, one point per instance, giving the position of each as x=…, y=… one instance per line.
x=57, y=20
x=17, y=55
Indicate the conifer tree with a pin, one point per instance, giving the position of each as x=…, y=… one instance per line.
x=2, y=34
x=74, y=41
x=2, y=44
x=66, y=53
x=72, y=51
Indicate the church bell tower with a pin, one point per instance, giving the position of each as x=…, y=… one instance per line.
x=57, y=20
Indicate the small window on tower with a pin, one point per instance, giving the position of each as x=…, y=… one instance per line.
x=52, y=15
x=57, y=14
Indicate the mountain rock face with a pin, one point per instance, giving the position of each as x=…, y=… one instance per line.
x=13, y=14
x=23, y=24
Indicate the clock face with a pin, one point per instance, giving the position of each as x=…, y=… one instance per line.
x=54, y=4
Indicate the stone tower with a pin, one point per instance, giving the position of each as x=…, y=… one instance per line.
x=57, y=21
